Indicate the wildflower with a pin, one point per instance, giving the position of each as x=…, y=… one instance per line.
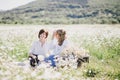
x=18, y=77
x=89, y=71
x=2, y=47
x=33, y=74
x=40, y=57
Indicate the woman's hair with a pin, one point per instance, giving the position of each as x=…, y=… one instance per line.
x=42, y=31
x=61, y=33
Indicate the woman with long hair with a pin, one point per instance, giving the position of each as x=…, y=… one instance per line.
x=57, y=45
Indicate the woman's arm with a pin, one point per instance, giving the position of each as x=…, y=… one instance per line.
x=53, y=41
x=54, y=35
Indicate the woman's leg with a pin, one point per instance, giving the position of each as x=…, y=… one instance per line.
x=52, y=59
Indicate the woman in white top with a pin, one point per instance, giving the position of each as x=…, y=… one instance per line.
x=59, y=42
x=39, y=47
x=57, y=45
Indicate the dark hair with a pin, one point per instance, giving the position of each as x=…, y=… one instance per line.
x=61, y=34
x=42, y=31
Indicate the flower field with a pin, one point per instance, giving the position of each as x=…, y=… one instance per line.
x=102, y=42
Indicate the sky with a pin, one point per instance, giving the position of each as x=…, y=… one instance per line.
x=10, y=4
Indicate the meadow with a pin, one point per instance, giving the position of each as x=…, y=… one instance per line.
x=102, y=42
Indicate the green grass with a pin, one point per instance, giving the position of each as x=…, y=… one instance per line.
x=104, y=50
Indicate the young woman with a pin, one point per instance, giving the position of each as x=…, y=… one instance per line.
x=39, y=47
x=57, y=45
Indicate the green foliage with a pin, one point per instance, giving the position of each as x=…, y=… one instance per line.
x=64, y=12
x=103, y=47
x=114, y=76
x=91, y=72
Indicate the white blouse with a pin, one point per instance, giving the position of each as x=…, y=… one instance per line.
x=38, y=49
x=56, y=49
